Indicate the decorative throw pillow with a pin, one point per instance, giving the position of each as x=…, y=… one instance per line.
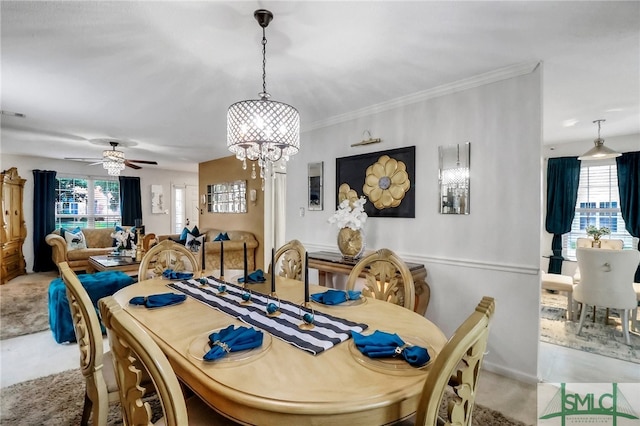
x=183, y=236
x=75, y=239
x=194, y=243
x=222, y=237
x=116, y=235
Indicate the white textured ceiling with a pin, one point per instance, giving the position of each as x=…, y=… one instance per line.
x=161, y=75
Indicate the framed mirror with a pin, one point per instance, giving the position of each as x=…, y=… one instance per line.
x=227, y=197
x=315, y=185
x=454, y=178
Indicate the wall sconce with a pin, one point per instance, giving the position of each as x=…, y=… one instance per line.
x=253, y=196
x=203, y=199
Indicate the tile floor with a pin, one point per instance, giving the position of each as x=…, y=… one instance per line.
x=39, y=355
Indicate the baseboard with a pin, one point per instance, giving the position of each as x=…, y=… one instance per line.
x=508, y=372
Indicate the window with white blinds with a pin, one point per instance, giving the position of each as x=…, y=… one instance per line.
x=598, y=204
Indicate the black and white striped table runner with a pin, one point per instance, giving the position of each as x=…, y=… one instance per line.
x=328, y=330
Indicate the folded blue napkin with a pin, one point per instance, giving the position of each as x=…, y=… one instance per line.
x=335, y=297
x=387, y=345
x=174, y=275
x=254, y=277
x=158, y=300
x=232, y=339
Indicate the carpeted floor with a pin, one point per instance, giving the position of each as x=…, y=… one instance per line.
x=57, y=400
x=607, y=340
x=23, y=305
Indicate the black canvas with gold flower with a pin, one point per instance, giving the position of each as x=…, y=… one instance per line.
x=385, y=178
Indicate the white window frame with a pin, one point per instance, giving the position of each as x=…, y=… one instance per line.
x=592, y=172
x=88, y=212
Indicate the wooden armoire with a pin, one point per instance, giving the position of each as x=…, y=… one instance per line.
x=14, y=229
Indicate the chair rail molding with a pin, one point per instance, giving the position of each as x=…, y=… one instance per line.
x=465, y=263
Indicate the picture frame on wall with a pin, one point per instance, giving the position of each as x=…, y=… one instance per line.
x=157, y=199
x=385, y=178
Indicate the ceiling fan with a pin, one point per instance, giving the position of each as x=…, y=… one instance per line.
x=113, y=160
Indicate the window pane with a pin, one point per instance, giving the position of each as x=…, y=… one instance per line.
x=87, y=203
x=598, y=205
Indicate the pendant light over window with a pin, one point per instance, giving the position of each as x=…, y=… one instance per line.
x=599, y=151
x=261, y=129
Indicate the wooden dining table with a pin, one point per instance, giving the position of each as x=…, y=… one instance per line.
x=279, y=383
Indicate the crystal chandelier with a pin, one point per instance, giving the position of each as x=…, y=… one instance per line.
x=599, y=151
x=113, y=161
x=262, y=129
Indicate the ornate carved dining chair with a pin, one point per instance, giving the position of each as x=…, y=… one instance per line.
x=167, y=255
x=607, y=281
x=290, y=257
x=96, y=366
x=457, y=365
x=132, y=347
x=387, y=278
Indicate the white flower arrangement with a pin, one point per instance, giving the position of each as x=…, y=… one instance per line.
x=123, y=239
x=350, y=214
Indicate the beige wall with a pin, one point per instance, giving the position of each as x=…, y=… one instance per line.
x=225, y=170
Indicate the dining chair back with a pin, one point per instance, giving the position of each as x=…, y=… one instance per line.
x=458, y=364
x=607, y=281
x=97, y=368
x=290, y=257
x=387, y=278
x=613, y=244
x=167, y=255
x=133, y=349
x=610, y=244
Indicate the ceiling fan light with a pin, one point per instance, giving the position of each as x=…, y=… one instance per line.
x=113, y=155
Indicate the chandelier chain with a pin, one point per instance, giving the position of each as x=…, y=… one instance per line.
x=264, y=62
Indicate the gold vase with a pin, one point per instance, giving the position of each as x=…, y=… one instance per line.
x=351, y=243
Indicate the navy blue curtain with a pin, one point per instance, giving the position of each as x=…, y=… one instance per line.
x=563, y=177
x=629, y=190
x=44, y=218
x=130, y=200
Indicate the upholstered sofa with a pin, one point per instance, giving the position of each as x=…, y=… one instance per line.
x=233, y=248
x=99, y=242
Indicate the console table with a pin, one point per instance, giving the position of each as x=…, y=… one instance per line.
x=333, y=263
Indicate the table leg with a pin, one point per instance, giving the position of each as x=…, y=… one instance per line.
x=322, y=278
x=423, y=294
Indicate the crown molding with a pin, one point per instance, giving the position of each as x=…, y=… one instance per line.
x=445, y=89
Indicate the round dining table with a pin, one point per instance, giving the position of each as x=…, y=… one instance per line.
x=279, y=383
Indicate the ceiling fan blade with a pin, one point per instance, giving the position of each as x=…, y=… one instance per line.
x=133, y=166
x=144, y=162
x=82, y=159
x=96, y=163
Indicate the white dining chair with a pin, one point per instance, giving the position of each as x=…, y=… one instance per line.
x=560, y=283
x=605, y=244
x=607, y=281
